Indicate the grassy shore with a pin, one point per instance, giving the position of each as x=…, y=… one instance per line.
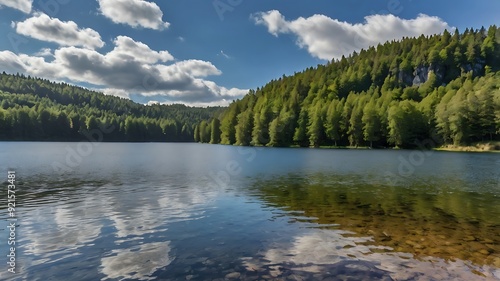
x=491, y=146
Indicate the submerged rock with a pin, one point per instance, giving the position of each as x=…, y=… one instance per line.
x=233, y=275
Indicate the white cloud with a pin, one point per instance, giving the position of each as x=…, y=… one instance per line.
x=44, y=52
x=11, y=62
x=21, y=5
x=201, y=93
x=328, y=38
x=126, y=49
x=130, y=68
x=274, y=21
x=198, y=68
x=202, y=104
x=115, y=92
x=136, y=13
x=45, y=28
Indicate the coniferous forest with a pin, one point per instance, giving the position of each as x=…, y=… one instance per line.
x=445, y=87
x=37, y=109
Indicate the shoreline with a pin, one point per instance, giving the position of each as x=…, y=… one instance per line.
x=491, y=147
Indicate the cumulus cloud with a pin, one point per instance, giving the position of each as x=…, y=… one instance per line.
x=152, y=102
x=200, y=93
x=115, y=92
x=328, y=38
x=136, y=13
x=45, y=28
x=274, y=21
x=198, y=68
x=130, y=68
x=44, y=52
x=11, y=62
x=126, y=49
x=21, y=5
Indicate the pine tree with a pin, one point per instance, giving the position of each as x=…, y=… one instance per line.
x=215, y=131
x=371, y=123
x=197, y=134
x=333, y=120
x=355, y=130
x=300, y=134
x=315, y=130
x=228, y=125
x=244, y=128
x=260, y=132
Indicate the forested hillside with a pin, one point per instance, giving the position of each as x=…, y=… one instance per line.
x=445, y=87
x=37, y=109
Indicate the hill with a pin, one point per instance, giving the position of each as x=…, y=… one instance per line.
x=33, y=109
x=443, y=88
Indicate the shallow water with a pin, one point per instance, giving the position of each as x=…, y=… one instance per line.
x=208, y=212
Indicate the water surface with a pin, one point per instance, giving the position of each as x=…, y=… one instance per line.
x=117, y=211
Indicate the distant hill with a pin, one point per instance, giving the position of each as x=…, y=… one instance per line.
x=34, y=109
x=443, y=88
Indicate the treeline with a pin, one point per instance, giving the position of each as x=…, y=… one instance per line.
x=39, y=110
x=444, y=87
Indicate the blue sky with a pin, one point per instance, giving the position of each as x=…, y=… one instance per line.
x=207, y=52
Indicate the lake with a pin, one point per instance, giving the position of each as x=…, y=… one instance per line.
x=162, y=211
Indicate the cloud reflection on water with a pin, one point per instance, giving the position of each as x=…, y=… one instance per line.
x=113, y=221
x=137, y=263
x=326, y=251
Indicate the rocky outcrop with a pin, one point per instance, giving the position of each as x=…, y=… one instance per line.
x=422, y=73
x=476, y=68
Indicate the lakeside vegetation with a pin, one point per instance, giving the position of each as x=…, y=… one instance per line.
x=475, y=147
x=443, y=87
